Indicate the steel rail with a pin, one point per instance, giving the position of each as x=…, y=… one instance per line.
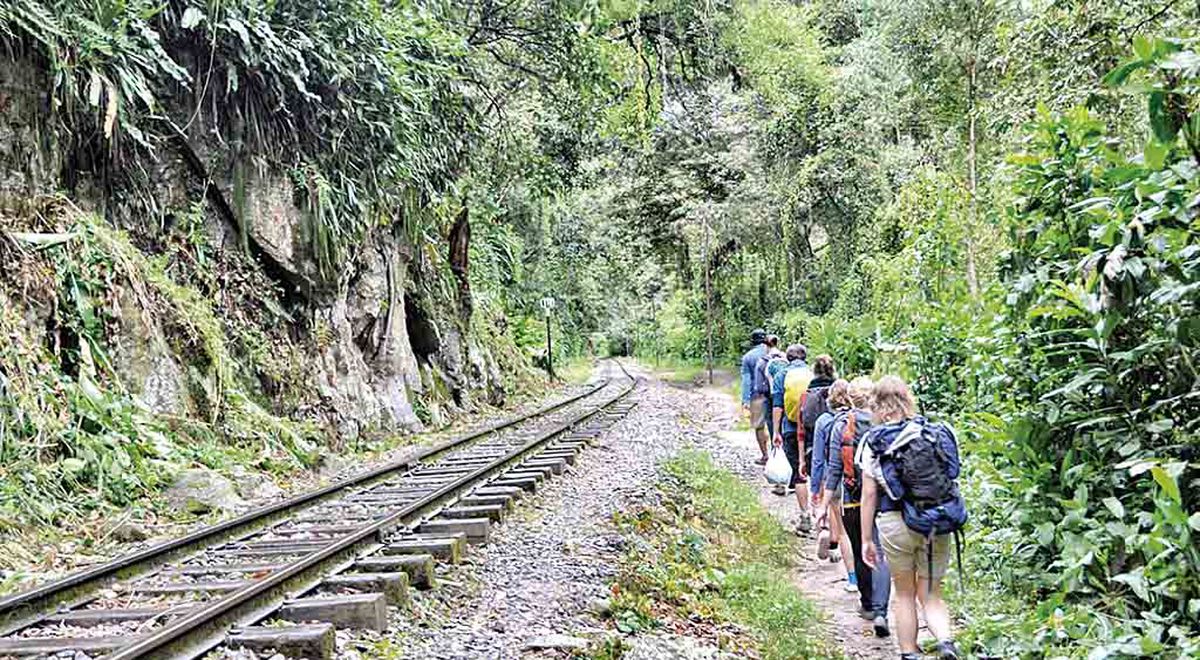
x=204, y=629
x=23, y=609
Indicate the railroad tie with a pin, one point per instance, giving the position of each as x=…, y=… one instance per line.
x=493, y=512
x=313, y=641
x=448, y=547
x=420, y=568
x=366, y=611
x=505, y=501
x=49, y=646
x=393, y=585
x=476, y=529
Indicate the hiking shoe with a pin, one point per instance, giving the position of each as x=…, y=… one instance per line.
x=866, y=613
x=910, y=656
x=835, y=555
x=761, y=461
x=851, y=582
x=947, y=650
x=777, y=489
x=881, y=626
x=805, y=524
x=823, y=544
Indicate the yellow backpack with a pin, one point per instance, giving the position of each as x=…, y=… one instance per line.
x=795, y=384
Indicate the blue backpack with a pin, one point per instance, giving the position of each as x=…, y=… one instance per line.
x=920, y=466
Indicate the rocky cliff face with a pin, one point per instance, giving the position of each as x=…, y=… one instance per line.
x=219, y=234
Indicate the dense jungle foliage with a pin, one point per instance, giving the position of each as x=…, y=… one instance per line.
x=997, y=199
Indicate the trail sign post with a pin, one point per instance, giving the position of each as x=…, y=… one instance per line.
x=548, y=305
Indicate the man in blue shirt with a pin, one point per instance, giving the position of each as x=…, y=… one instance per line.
x=786, y=434
x=755, y=403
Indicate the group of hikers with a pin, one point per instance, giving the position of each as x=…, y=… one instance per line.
x=868, y=472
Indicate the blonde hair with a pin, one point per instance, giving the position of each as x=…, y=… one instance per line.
x=860, y=392
x=839, y=394
x=892, y=401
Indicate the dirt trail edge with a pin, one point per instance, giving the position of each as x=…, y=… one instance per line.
x=823, y=582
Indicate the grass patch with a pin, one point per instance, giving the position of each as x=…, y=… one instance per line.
x=576, y=370
x=677, y=370
x=709, y=561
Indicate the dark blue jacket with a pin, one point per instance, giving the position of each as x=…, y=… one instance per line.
x=749, y=363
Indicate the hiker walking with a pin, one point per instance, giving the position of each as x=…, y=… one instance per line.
x=910, y=466
x=788, y=390
x=830, y=509
x=850, y=425
x=756, y=406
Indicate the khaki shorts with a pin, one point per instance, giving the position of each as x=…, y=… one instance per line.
x=759, y=409
x=906, y=550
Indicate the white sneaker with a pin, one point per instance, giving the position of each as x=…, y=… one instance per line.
x=835, y=555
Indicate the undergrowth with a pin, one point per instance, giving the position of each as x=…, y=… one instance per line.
x=79, y=302
x=707, y=560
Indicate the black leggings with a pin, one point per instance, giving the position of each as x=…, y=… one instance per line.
x=792, y=450
x=853, y=522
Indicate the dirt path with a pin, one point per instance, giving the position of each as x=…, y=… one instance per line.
x=821, y=581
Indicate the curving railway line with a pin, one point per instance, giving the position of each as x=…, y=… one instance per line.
x=284, y=577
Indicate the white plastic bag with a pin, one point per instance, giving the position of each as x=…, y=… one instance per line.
x=779, y=471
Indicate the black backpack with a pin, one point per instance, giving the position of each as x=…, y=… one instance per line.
x=812, y=406
x=921, y=471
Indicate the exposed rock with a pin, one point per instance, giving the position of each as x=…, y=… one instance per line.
x=200, y=490
x=673, y=648
x=376, y=325
x=276, y=224
x=144, y=360
x=29, y=164
x=601, y=607
x=254, y=485
x=130, y=532
x=333, y=465
x=556, y=642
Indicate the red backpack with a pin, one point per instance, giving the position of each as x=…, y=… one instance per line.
x=850, y=437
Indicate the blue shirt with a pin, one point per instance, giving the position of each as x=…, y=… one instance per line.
x=777, y=394
x=821, y=447
x=749, y=363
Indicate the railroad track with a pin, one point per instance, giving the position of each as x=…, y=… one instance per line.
x=284, y=577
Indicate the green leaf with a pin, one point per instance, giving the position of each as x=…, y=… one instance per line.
x=1143, y=48
x=1045, y=533
x=1166, y=482
x=1161, y=425
x=1162, y=122
x=1150, y=646
x=1155, y=154
x=1194, y=521
x=1114, y=505
x=1136, y=581
x=192, y=17
x=73, y=465
x=1117, y=76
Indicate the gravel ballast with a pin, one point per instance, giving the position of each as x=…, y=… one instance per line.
x=540, y=586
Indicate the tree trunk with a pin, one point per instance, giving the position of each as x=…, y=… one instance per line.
x=972, y=181
x=460, y=249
